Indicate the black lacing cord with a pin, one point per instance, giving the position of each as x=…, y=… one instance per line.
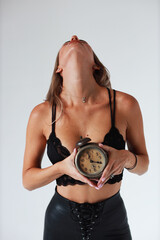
x=86, y=214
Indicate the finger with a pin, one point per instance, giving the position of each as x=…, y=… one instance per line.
x=73, y=154
x=74, y=151
x=102, y=184
x=119, y=171
x=84, y=179
x=105, y=173
x=105, y=179
x=115, y=171
x=94, y=179
x=109, y=170
x=106, y=147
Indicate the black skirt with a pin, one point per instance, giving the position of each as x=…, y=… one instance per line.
x=103, y=220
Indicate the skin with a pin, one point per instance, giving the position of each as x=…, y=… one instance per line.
x=91, y=119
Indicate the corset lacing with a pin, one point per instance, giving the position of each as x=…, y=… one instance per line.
x=87, y=214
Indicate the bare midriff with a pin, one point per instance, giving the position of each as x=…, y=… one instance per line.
x=85, y=193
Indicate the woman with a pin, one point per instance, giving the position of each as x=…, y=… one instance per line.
x=81, y=103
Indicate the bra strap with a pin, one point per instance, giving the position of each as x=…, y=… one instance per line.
x=114, y=106
x=112, y=115
x=53, y=116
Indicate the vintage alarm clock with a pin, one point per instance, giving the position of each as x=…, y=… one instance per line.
x=90, y=159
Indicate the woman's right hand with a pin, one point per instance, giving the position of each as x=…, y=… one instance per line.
x=69, y=168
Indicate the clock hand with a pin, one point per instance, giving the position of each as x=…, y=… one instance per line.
x=91, y=161
x=89, y=155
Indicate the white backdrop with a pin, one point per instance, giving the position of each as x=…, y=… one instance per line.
x=124, y=35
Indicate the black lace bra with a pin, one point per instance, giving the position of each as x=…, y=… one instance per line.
x=57, y=152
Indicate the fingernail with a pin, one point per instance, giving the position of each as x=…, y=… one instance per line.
x=103, y=179
x=97, y=188
x=91, y=185
x=100, y=144
x=100, y=185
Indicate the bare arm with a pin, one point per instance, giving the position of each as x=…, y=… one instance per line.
x=120, y=159
x=33, y=175
x=135, y=138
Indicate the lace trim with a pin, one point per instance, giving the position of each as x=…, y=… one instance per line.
x=109, y=140
x=67, y=180
x=57, y=144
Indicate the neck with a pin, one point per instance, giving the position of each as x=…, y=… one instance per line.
x=78, y=82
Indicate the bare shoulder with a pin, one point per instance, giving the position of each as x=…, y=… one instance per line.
x=129, y=107
x=126, y=102
x=40, y=115
x=40, y=109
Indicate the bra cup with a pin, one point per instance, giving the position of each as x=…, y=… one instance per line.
x=114, y=139
x=57, y=152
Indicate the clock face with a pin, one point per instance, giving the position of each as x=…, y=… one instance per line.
x=91, y=161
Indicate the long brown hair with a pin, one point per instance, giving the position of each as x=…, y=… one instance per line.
x=102, y=77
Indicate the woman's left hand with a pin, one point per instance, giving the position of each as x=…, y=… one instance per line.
x=115, y=166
